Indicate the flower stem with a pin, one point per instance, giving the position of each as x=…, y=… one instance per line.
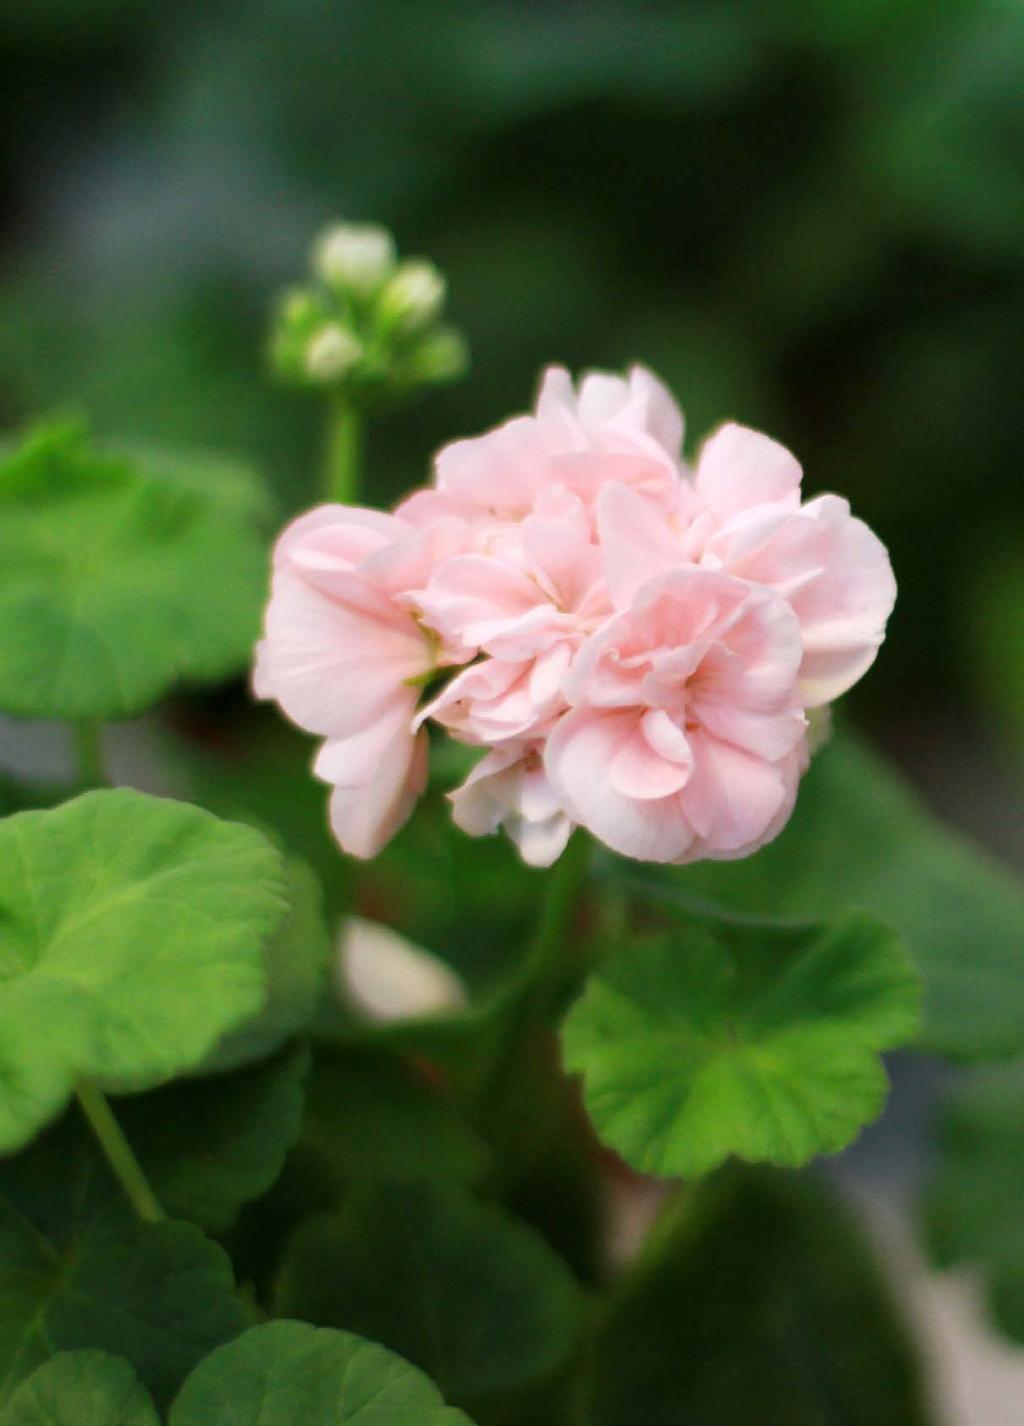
x=344, y=452
x=88, y=746
x=548, y=975
x=119, y=1153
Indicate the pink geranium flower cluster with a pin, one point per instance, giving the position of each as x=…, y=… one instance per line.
x=633, y=645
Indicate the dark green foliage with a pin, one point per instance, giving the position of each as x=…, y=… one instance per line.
x=760, y=1303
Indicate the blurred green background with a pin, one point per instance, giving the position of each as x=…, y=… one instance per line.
x=808, y=216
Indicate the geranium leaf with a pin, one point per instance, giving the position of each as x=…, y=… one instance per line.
x=484, y=1305
x=759, y=1040
x=763, y=1304
x=972, y=1208
x=210, y=1145
x=297, y=959
x=132, y=932
x=81, y=1389
x=118, y=582
x=80, y=1271
x=372, y=1116
x=290, y=1372
x=859, y=838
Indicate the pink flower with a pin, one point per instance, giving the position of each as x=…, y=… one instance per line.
x=342, y=652
x=641, y=646
x=685, y=735
x=743, y=515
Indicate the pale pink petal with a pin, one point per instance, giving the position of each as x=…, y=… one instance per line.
x=472, y=598
x=339, y=535
x=739, y=468
x=732, y=797
x=636, y=541
x=374, y=801
x=540, y=843
x=579, y=751
x=638, y=770
x=333, y=667
x=508, y=788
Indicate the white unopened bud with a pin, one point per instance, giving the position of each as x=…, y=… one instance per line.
x=332, y=353
x=385, y=977
x=359, y=256
x=415, y=294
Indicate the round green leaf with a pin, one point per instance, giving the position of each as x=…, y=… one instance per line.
x=468, y=1293
x=860, y=839
x=117, y=582
x=759, y=1040
x=297, y=959
x=81, y=1389
x=208, y=1146
x=131, y=938
x=80, y=1271
x=292, y=1374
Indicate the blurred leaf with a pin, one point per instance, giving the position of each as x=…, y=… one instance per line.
x=370, y=1116
x=860, y=839
x=297, y=958
x=117, y=583
x=131, y=937
x=762, y=1303
x=80, y=1271
x=730, y=1038
x=233, y=486
x=484, y=1305
x=81, y=1389
x=210, y=1145
x=311, y=1376
x=972, y=1208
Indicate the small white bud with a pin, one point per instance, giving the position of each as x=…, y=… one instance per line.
x=331, y=353
x=359, y=256
x=386, y=977
x=415, y=294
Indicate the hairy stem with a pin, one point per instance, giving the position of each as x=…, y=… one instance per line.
x=344, y=452
x=119, y=1153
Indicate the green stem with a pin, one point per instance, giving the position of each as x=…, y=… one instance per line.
x=88, y=745
x=344, y=452
x=118, y=1151
x=548, y=975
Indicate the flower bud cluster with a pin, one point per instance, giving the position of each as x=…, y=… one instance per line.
x=367, y=324
x=635, y=646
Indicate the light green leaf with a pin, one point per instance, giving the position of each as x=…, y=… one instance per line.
x=297, y=960
x=292, y=1374
x=117, y=583
x=230, y=484
x=131, y=938
x=756, y=1303
x=859, y=838
x=210, y=1145
x=972, y=1209
x=80, y=1271
x=483, y=1304
x=81, y=1389
x=745, y=1038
